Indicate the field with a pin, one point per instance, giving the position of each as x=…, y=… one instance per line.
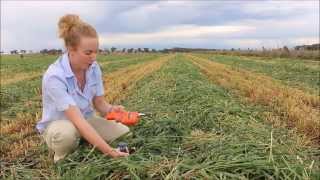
x=210, y=117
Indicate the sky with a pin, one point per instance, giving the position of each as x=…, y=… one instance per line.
x=32, y=25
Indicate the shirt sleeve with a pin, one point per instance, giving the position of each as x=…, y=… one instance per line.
x=100, y=88
x=56, y=90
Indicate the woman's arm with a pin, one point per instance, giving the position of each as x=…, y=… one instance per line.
x=89, y=133
x=103, y=107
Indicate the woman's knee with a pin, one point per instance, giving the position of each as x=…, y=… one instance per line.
x=62, y=136
x=108, y=130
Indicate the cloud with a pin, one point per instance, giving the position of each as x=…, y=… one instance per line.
x=279, y=8
x=173, y=33
x=272, y=32
x=33, y=24
x=151, y=17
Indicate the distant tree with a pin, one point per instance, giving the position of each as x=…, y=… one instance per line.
x=130, y=50
x=146, y=50
x=14, y=52
x=113, y=49
x=165, y=50
x=286, y=50
x=153, y=50
x=44, y=51
x=315, y=47
x=22, y=51
x=106, y=51
x=124, y=50
x=52, y=51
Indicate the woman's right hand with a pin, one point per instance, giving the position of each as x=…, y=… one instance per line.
x=115, y=153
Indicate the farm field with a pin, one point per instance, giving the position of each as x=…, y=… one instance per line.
x=210, y=117
x=298, y=73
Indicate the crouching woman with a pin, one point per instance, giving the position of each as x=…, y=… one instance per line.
x=71, y=88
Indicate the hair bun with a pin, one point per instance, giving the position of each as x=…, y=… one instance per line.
x=66, y=22
x=71, y=28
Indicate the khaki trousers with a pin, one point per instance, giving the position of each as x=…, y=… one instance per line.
x=63, y=137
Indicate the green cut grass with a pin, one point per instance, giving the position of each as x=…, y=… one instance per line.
x=19, y=96
x=194, y=130
x=12, y=64
x=197, y=130
x=297, y=73
x=124, y=62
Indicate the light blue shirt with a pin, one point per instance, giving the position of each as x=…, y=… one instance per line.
x=60, y=90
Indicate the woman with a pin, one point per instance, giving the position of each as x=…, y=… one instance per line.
x=70, y=87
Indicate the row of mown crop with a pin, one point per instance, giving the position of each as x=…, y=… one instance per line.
x=297, y=73
x=19, y=138
x=18, y=91
x=196, y=129
x=290, y=106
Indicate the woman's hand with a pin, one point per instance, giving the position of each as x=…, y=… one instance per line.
x=103, y=107
x=115, y=153
x=117, y=108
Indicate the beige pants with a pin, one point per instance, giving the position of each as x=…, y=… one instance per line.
x=63, y=137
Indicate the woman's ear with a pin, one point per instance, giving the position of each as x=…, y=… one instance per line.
x=71, y=50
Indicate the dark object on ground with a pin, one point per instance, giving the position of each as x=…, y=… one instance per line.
x=123, y=147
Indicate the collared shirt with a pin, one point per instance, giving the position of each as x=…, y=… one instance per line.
x=60, y=90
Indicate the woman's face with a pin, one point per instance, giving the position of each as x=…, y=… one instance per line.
x=86, y=52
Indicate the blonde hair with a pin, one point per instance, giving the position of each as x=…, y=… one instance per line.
x=72, y=28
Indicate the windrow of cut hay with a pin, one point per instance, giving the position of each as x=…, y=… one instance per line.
x=291, y=106
x=119, y=83
x=296, y=73
x=125, y=60
x=25, y=76
x=19, y=77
